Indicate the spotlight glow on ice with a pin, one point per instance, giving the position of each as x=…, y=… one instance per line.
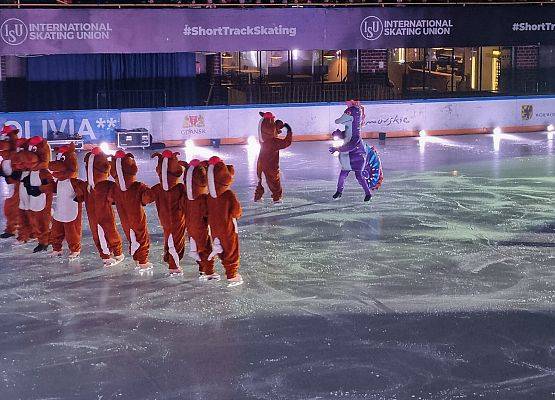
x=252, y=144
x=550, y=128
x=189, y=144
x=496, y=142
x=422, y=133
x=105, y=147
x=497, y=131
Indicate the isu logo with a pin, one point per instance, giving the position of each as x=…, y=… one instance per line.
x=13, y=31
x=526, y=112
x=193, y=121
x=371, y=28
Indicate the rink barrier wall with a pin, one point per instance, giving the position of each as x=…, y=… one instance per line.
x=310, y=122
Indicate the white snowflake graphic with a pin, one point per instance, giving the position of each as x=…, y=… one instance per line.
x=112, y=123
x=100, y=123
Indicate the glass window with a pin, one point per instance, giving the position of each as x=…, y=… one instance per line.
x=302, y=65
x=334, y=66
x=277, y=63
x=249, y=66
x=490, y=68
x=230, y=62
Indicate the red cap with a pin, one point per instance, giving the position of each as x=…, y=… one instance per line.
x=167, y=154
x=120, y=154
x=35, y=140
x=63, y=149
x=268, y=115
x=8, y=129
x=194, y=163
x=96, y=151
x=214, y=160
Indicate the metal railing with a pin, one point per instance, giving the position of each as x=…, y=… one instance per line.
x=153, y=98
x=305, y=92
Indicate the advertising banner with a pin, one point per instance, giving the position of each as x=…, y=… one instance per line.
x=468, y=114
x=93, y=125
x=66, y=31
x=243, y=122
x=530, y=111
x=195, y=123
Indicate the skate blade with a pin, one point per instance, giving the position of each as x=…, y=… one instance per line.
x=114, y=263
x=209, y=278
x=175, y=274
x=234, y=284
x=146, y=271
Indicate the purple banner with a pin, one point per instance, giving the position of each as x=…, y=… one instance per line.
x=63, y=31
x=158, y=31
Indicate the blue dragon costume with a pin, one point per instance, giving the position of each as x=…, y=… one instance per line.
x=354, y=154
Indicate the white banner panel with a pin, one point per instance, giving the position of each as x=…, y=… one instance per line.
x=534, y=111
x=196, y=124
x=449, y=115
x=305, y=120
x=469, y=114
x=393, y=117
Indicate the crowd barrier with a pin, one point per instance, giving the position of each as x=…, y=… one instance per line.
x=234, y=124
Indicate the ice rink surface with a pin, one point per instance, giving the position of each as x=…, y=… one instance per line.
x=442, y=287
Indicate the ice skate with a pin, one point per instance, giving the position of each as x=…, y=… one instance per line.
x=176, y=272
x=212, y=277
x=145, y=269
x=110, y=262
x=74, y=256
x=7, y=235
x=235, y=281
x=367, y=197
x=278, y=202
x=337, y=195
x=40, y=248
x=55, y=254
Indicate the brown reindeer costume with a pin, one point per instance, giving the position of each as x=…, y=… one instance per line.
x=196, y=215
x=97, y=193
x=223, y=211
x=168, y=195
x=8, y=149
x=268, y=159
x=128, y=196
x=36, y=159
x=67, y=216
x=25, y=231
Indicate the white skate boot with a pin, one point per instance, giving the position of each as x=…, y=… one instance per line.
x=235, y=281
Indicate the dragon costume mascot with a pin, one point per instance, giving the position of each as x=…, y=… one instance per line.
x=354, y=154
